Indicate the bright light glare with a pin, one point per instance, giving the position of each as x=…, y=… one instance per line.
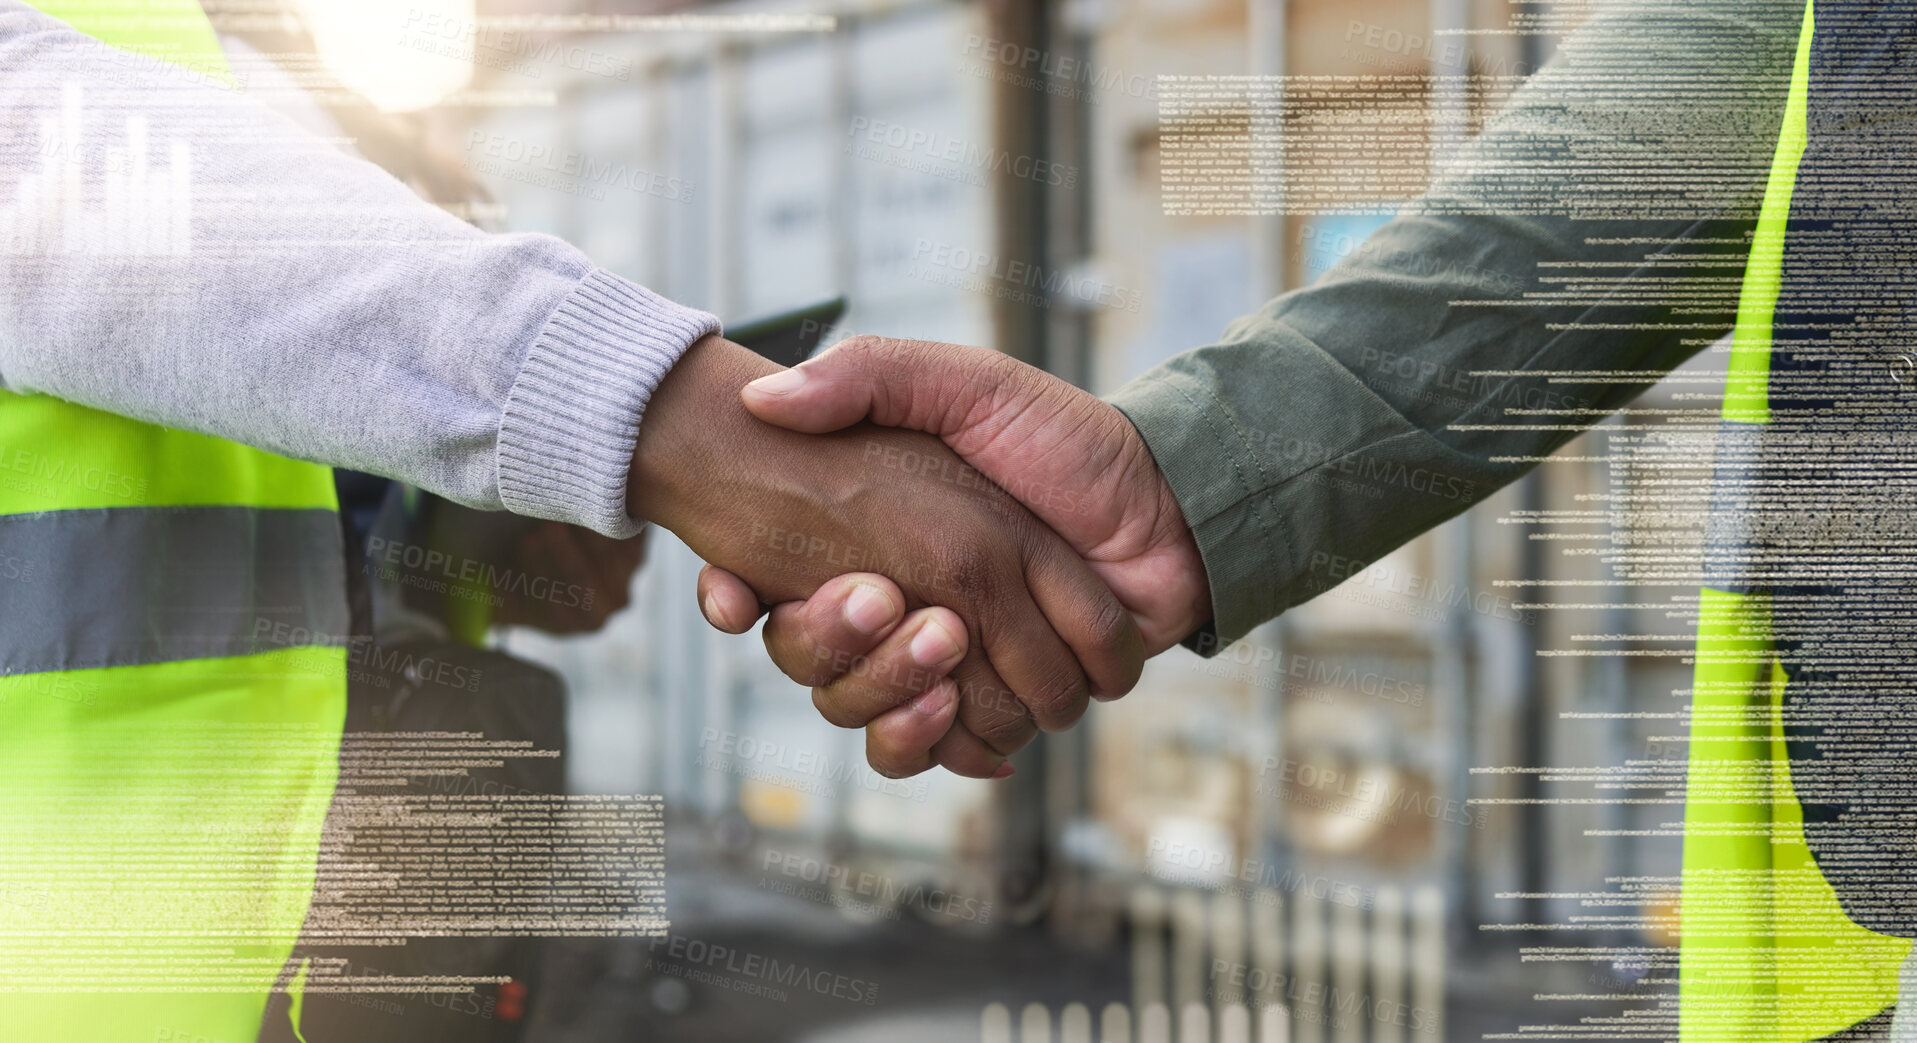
x=401, y=57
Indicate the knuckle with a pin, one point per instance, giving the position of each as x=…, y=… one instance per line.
x=884, y=352
x=1008, y=735
x=982, y=703
x=982, y=556
x=990, y=716
x=968, y=565
x=862, y=344
x=889, y=680
x=1108, y=632
x=835, y=711
x=892, y=765
x=801, y=660
x=1059, y=701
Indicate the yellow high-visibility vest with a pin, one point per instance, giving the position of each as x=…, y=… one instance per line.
x=1767, y=954
x=172, y=688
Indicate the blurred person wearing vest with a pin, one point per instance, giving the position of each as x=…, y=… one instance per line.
x=203, y=311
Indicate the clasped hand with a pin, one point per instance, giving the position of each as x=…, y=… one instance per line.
x=958, y=549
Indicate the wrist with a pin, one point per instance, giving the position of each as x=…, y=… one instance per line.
x=685, y=429
x=1187, y=588
x=1175, y=591
x=1193, y=587
x=569, y=420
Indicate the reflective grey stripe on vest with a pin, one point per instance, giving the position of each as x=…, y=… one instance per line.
x=1735, y=537
x=130, y=586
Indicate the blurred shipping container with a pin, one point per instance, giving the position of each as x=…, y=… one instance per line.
x=1335, y=745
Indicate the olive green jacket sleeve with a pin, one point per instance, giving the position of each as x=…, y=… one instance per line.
x=1600, y=222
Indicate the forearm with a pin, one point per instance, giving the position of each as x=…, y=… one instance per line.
x=1348, y=417
x=312, y=305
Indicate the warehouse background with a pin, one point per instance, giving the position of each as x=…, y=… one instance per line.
x=1293, y=813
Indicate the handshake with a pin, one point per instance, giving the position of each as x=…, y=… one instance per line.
x=957, y=549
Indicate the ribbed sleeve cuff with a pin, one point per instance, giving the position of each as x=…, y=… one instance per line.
x=571, y=421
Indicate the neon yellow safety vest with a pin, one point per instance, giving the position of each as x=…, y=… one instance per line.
x=1767, y=952
x=172, y=692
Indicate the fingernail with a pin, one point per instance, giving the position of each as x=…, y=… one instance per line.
x=933, y=645
x=935, y=699
x=869, y=609
x=1004, y=771
x=711, y=606
x=783, y=382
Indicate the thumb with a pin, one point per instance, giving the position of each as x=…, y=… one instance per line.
x=918, y=385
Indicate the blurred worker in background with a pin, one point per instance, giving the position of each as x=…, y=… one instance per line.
x=205, y=310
